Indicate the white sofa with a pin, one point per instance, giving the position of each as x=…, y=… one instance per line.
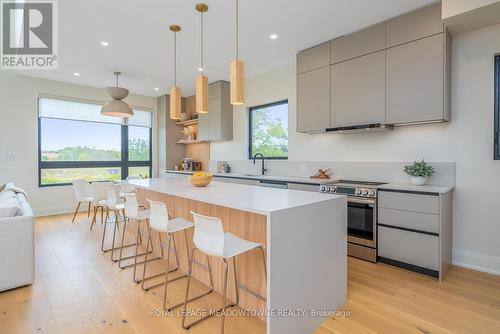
x=16, y=239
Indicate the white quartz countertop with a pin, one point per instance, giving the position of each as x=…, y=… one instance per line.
x=411, y=187
x=292, y=179
x=256, y=199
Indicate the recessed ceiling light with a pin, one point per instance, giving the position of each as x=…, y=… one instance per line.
x=104, y=43
x=157, y=89
x=273, y=36
x=76, y=74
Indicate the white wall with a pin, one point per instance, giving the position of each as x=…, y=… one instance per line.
x=19, y=135
x=467, y=140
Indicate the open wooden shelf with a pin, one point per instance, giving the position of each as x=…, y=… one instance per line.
x=188, y=122
x=188, y=142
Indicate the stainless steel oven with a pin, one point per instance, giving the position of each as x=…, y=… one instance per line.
x=361, y=216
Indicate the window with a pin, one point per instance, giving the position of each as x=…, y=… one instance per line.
x=77, y=142
x=496, y=153
x=268, y=131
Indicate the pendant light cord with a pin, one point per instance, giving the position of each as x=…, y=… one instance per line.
x=117, y=79
x=175, y=59
x=201, y=42
x=237, y=28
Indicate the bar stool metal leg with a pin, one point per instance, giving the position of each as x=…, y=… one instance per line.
x=137, y=241
x=112, y=248
x=186, y=300
x=144, y=278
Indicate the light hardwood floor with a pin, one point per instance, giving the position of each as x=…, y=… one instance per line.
x=78, y=290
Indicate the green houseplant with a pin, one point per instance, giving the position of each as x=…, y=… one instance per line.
x=419, y=172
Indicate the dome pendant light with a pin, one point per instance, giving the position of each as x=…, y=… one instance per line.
x=116, y=107
x=175, y=92
x=237, y=69
x=201, y=80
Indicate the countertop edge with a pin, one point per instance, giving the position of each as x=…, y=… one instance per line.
x=293, y=180
x=430, y=188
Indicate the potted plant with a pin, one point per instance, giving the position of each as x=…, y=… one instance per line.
x=419, y=172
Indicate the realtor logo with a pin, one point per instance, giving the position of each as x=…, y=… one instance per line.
x=29, y=35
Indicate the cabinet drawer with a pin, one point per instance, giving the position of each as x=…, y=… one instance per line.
x=408, y=219
x=415, y=25
x=408, y=202
x=409, y=247
x=313, y=58
x=357, y=44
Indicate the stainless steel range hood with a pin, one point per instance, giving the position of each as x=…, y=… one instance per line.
x=375, y=127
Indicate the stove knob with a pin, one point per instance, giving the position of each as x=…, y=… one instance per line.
x=322, y=189
x=334, y=189
x=327, y=189
x=372, y=193
x=358, y=192
x=365, y=192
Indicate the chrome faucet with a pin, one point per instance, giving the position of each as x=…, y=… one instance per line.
x=262, y=158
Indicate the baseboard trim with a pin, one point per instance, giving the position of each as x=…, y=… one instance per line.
x=40, y=212
x=477, y=261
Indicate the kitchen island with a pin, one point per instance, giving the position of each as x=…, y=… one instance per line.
x=305, y=237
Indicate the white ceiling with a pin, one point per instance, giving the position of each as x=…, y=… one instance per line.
x=141, y=45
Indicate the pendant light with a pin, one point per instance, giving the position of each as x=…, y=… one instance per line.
x=237, y=69
x=201, y=80
x=116, y=107
x=175, y=92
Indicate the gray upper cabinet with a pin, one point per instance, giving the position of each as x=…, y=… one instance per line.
x=395, y=72
x=217, y=124
x=358, y=91
x=203, y=127
x=313, y=100
x=416, y=81
x=415, y=25
x=313, y=58
x=360, y=43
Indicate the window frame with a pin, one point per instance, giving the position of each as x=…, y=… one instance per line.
x=123, y=164
x=496, y=136
x=250, y=137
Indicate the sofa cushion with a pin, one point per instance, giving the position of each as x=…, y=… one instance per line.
x=7, y=193
x=10, y=207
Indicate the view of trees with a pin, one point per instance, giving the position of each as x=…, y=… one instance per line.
x=269, y=132
x=138, y=151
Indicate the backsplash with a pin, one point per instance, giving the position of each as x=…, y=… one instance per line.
x=444, y=172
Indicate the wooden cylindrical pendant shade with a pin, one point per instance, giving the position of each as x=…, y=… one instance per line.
x=201, y=94
x=175, y=103
x=237, y=80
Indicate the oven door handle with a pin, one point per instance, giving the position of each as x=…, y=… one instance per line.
x=371, y=202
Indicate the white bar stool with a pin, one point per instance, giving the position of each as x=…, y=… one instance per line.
x=160, y=222
x=117, y=207
x=99, y=200
x=210, y=239
x=83, y=194
x=133, y=214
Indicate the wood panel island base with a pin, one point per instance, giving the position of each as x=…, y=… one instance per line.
x=305, y=238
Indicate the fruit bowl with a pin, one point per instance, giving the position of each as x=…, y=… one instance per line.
x=200, y=179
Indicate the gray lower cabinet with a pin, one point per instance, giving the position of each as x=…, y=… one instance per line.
x=415, y=230
x=313, y=100
x=358, y=91
x=217, y=124
x=237, y=180
x=416, y=82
